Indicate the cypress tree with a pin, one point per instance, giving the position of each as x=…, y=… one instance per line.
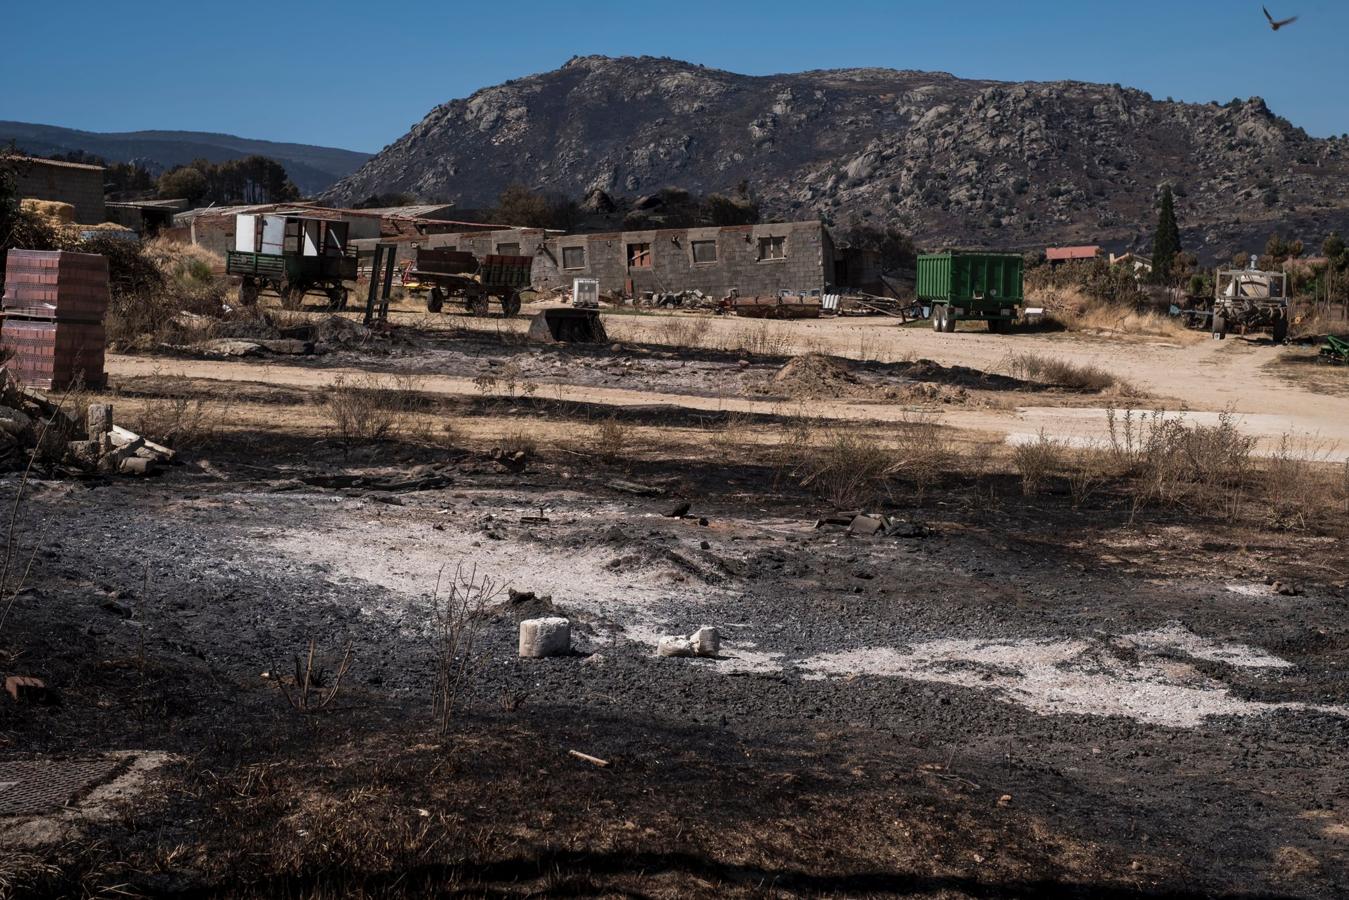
x=1166, y=244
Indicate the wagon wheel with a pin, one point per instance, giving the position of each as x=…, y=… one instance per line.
x=477, y=303
x=510, y=304
x=1281, y=329
x=936, y=317
x=435, y=300
x=248, y=292
x=292, y=294
x=337, y=297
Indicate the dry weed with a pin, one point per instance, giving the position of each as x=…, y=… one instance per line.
x=456, y=616
x=924, y=451
x=1037, y=461
x=368, y=409
x=178, y=417
x=850, y=468
x=1059, y=373
x=763, y=340
x=613, y=440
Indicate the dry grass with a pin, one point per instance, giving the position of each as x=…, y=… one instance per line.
x=177, y=416
x=369, y=409
x=1059, y=373
x=762, y=340
x=1037, y=461
x=613, y=440
x=1075, y=310
x=925, y=451
x=850, y=468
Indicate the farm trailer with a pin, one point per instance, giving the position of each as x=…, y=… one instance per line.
x=291, y=255
x=454, y=274
x=965, y=285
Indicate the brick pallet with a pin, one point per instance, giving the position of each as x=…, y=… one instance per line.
x=54, y=303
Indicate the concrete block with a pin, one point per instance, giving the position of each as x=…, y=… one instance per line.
x=135, y=465
x=544, y=637
x=100, y=419
x=706, y=641
x=674, y=645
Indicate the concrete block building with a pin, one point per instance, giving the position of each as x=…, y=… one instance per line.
x=749, y=259
x=78, y=184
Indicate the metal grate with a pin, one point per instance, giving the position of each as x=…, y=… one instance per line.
x=39, y=785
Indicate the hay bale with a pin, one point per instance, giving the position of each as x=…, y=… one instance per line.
x=53, y=210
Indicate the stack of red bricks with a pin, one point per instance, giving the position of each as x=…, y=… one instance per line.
x=54, y=305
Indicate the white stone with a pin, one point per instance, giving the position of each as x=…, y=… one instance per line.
x=706, y=641
x=544, y=637
x=673, y=645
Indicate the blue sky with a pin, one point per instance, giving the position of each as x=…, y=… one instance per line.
x=359, y=74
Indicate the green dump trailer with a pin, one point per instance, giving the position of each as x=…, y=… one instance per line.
x=964, y=285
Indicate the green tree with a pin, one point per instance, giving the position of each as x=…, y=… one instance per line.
x=1332, y=248
x=184, y=182
x=1166, y=243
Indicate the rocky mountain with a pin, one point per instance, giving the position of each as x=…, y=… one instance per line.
x=953, y=161
x=313, y=169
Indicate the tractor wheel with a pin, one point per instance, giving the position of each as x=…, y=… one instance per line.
x=337, y=298
x=435, y=300
x=1280, y=329
x=248, y=292
x=510, y=305
x=478, y=304
x=936, y=317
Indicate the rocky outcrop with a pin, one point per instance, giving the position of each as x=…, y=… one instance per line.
x=950, y=160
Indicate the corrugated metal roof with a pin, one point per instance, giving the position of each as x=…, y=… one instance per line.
x=58, y=162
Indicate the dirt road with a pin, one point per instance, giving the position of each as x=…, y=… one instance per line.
x=1201, y=378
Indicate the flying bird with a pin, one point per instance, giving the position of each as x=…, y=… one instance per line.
x=1276, y=25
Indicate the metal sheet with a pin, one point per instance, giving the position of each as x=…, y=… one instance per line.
x=246, y=233
x=273, y=235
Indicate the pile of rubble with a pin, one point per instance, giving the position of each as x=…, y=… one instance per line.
x=865, y=524
x=261, y=337
x=36, y=430
x=111, y=449
x=692, y=299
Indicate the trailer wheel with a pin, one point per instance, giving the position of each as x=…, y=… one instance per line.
x=435, y=300
x=995, y=326
x=292, y=295
x=1280, y=329
x=510, y=304
x=937, y=312
x=948, y=320
x=248, y=292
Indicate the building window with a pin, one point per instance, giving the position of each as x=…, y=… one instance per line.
x=639, y=256
x=704, y=251
x=773, y=247
x=573, y=257
x=508, y=249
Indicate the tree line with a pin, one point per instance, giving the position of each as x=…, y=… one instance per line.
x=253, y=179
